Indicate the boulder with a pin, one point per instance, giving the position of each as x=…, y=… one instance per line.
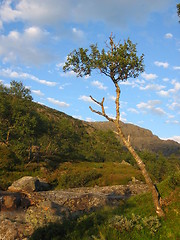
x=10, y=201
x=29, y=184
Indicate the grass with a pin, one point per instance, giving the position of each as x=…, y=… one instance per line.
x=74, y=174
x=136, y=216
x=89, y=174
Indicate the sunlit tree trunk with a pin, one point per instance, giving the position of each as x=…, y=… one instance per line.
x=138, y=160
x=145, y=174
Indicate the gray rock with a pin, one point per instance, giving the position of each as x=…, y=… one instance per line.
x=10, y=201
x=29, y=184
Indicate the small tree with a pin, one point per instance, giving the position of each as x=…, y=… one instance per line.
x=178, y=10
x=118, y=63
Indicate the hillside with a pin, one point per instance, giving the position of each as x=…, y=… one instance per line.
x=141, y=138
x=37, y=140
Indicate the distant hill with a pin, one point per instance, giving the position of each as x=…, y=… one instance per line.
x=141, y=138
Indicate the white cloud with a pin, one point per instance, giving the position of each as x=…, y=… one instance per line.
x=151, y=106
x=133, y=110
x=158, y=111
x=22, y=75
x=161, y=64
x=99, y=85
x=77, y=33
x=68, y=74
x=163, y=93
x=174, y=106
x=173, y=92
x=88, y=119
x=58, y=103
x=60, y=65
x=1, y=24
x=128, y=83
x=111, y=97
x=176, y=122
x=149, y=76
x=141, y=82
x=54, y=12
x=176, y=67
x=77, y=117
x=86, y=99
x=64, y=85
x=168, y=35
x=165, y=79
x=155, y=87
x=38, y=92
x=175, y=138
x=24, y=47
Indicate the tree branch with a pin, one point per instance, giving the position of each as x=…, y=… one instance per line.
x=102, y=108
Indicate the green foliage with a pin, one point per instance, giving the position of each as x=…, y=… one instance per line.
x=178, y=9
x=92, y=173
x=18, y=90
x=119, y=61
x=8, y=159
x=78, y=179
x=160, y=166
x=122, y=223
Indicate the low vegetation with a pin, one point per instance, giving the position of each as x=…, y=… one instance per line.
x=132, y=219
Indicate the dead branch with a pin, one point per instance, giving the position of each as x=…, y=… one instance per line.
x=102, y=108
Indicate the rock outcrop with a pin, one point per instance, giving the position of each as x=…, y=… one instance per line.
x=11, y=201
x=29, y=184
x=18, y=220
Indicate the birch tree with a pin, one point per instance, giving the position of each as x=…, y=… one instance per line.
x=118, y=62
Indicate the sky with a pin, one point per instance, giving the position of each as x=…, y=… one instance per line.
x=37, y=35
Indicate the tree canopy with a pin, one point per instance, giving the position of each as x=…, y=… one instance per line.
x=16, y=115
x=119, y=61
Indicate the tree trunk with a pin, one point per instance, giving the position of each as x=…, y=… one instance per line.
x=7, y=137
x=142, y=167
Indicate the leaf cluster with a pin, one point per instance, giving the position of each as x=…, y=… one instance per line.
x=178, y=9
x=118, y=61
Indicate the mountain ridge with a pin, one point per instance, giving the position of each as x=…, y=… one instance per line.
x=141, y=138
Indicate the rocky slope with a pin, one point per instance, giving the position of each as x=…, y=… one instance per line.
x=19, y=218
x=141, y=138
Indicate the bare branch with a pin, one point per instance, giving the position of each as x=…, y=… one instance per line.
x=102, y=108
x=101, y=114
x=95, y=100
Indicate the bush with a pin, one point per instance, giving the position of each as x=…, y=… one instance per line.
x=122, y=223
x=73, y=180
x=174, y=180
x=8, y=159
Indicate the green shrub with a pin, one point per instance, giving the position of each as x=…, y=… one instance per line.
x=8, y=159
x=77, y=179
x=122, y=223
x=174, y=180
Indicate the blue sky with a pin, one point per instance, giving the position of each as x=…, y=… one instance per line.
x=37, y=35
